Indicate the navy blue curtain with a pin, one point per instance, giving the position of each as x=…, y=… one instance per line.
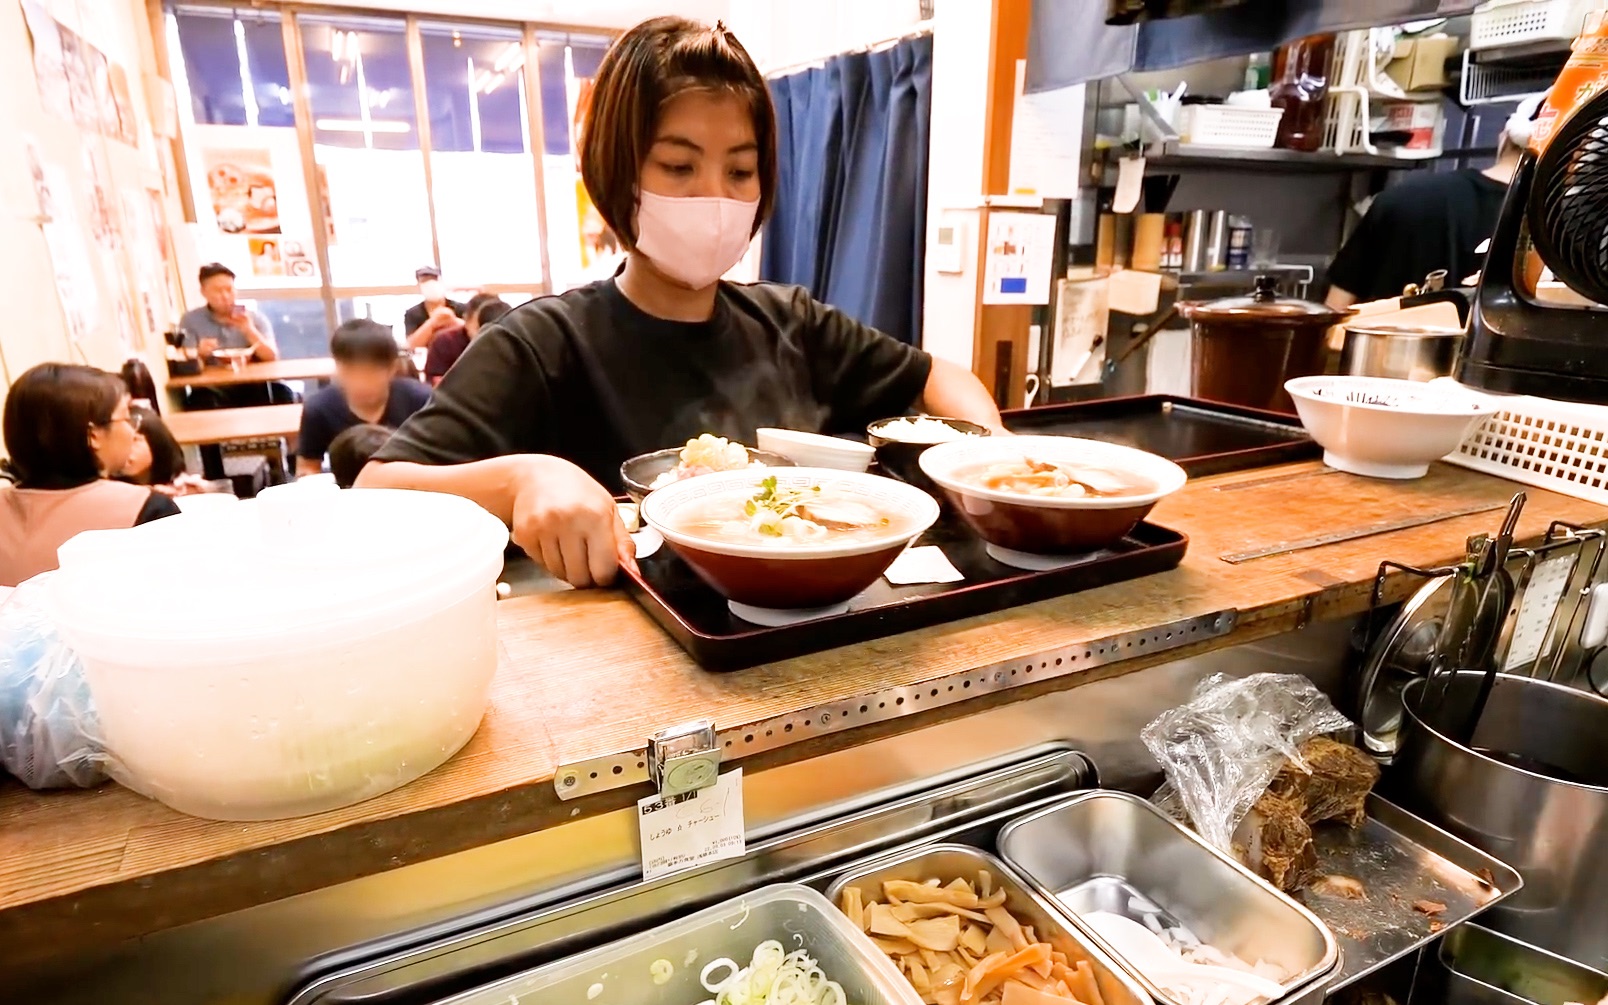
x=851, y=202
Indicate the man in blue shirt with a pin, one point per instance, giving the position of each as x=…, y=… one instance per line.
x=224, y=324
x=367, y=389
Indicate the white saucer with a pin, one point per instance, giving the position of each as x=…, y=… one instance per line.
x=1030, y=562
x=647, y=541
x=770, y=617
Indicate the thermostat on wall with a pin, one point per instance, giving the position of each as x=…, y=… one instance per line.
x=947, y=250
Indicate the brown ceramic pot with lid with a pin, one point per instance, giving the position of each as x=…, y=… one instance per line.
x=1245, y=348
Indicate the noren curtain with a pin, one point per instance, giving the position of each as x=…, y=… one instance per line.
x=851, y=204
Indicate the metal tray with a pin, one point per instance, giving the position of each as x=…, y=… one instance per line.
x=1400, y=859
x=1202, y=437
x=1089, y=846
x=946, y=862
x=697, y=617
x=1482, y=967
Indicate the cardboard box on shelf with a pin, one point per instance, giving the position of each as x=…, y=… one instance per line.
x=1423, y=121
x=1419, y=64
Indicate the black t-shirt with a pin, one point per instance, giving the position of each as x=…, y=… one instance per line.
x=325, y=415
x=590, y=377
x=418, y=314
x=1426, y=222
x=155, y=508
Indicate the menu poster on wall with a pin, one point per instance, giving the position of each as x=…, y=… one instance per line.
x=147, y=263
x=240, y=182
x=100, y=78
x=103, y=221
x=254, y=216
x=69, y=257
x=50, y=70
x=86, y=109
x=127, y=125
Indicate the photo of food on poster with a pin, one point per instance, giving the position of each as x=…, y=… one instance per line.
x=103, y=222
x=241, y=185
x=50, y=69
x=86, y=109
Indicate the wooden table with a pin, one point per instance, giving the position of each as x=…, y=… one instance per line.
x=588, y=675
x=320, y=368
x=224, y=425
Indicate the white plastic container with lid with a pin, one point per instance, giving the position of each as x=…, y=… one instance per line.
x=291, y=654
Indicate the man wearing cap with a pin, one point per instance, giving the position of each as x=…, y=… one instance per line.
x=1429, y=221
x=224, y=324
x=432, y=315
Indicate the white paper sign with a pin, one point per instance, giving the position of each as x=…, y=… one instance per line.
x=681, y=832
x=1046, y=140
x=1020, y=257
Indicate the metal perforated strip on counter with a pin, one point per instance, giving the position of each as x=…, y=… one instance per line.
x=613, y=771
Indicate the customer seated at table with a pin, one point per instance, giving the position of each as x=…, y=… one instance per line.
x=352, y=449
x=484, y=308
x=224, y=324
x=67, y=428
x=366, y=389
x=426, y=320
x=156, y=459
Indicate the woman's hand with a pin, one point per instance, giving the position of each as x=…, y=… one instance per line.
x=568, y=522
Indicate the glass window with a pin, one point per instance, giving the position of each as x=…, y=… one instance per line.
x=300, y=329
x=580, y=248
x=483, y=176
x=366, y=143
x=241, y=150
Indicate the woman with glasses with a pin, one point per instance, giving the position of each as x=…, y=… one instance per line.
x=67, y=430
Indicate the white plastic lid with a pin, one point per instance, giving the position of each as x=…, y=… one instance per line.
x=298, y=566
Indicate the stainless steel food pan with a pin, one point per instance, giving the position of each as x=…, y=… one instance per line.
x=946, y=862
x=1099, y=850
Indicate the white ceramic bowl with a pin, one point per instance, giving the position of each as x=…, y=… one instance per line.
x=1385, y=428
x=812, y=450
x=792, y=577
x=284, y=655
x=1038, y=525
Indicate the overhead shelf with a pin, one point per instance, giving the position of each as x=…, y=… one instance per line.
x=1188, y=155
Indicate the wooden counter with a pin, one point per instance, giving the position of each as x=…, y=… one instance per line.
x=588, y=675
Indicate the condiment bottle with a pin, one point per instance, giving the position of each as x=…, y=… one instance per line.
x=1300, y=85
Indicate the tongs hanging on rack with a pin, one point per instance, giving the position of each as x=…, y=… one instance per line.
x=1481, y=584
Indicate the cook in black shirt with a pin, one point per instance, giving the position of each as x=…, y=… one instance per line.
x=534, y=420
x=1428, y=221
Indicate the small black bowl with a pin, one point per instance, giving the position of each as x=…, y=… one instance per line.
x=639, y=472
x=900, y=458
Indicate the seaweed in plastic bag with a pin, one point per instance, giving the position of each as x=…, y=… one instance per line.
x=1221, y=749
x=49, y=733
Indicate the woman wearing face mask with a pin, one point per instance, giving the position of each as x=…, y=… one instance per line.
x=679, y=156
x=67, y=428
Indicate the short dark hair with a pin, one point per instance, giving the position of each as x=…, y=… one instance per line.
x=644, y=68
x=214, y=269
x=48, y=414
x=167, y=457
x=353, y=448
x=363, y=341
x=424, y=272
x=490, y=313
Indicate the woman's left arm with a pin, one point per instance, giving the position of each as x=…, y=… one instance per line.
x=955, y=391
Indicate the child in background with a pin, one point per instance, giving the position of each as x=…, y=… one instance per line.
x=352, y=449
x=156, y=459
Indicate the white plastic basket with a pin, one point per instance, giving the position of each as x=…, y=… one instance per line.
x=1229, y=126
x=1553, y=445
x=1516, y=22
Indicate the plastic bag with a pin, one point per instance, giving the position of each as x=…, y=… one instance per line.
x=1221, y=749
x=49, y=733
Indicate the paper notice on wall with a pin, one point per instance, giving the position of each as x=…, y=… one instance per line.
x=50, y=68
x=1046, y=140
x=75, y=59
x=69, y=255
x=255, y=217
x=1019, y=258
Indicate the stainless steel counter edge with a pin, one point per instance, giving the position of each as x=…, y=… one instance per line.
x=601, y=774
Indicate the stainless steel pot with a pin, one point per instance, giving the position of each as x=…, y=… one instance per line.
x=1404, y=352
x=1532, y=790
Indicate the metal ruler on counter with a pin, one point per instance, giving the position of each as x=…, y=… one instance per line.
x=632, y=767
x=1356, y=533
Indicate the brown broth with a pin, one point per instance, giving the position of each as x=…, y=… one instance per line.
x=1098, y=482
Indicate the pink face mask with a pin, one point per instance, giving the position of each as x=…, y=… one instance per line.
x=694, y=239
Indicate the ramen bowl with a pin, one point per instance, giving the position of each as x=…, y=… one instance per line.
x=1384, y=428
x=1037, y=531
x=640, y=472
x=758, y=576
